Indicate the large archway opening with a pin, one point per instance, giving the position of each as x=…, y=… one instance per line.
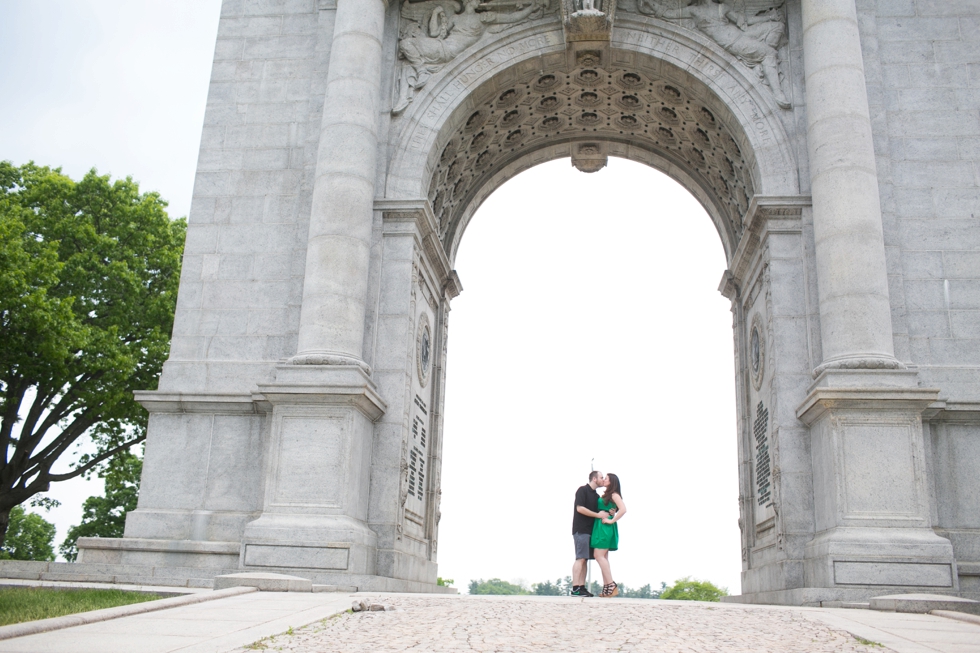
x=590, y=331
x=682, y=111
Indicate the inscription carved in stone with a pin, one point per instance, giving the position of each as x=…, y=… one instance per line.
x=417, y=459
x=762, y=459
x=435, y=32
x=751, y=30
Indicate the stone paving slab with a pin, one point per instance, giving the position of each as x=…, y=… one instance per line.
x=211, y=627
x=535, y=625
x=906, y=633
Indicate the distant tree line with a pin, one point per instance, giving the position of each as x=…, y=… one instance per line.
x=683, y=589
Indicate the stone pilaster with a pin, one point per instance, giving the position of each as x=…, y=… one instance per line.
x=323, y=402
x=338, y=250
x=873, y=526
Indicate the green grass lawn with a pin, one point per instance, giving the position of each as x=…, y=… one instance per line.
x=18, y=604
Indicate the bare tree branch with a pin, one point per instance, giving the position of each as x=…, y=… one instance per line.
x=60, y=444
x=41, y=400
x=16, y=390
x=95, y=461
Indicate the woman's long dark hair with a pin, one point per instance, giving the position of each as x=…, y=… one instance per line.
x=613, y=487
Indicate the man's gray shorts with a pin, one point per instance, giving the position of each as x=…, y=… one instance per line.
x=582, y=549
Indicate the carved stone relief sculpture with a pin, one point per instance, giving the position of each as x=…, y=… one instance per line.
x=748, y=29
x=435, y=32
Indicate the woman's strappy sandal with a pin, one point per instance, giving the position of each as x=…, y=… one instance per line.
x=609, y=591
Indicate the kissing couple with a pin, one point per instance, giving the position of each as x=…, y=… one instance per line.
x=595, y=531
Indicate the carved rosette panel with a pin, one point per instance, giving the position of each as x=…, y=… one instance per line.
x=590, y=104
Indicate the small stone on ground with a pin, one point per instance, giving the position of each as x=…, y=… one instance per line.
x=571, y=626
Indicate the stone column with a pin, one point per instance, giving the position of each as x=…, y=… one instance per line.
x=855, y=314
x=331, y=328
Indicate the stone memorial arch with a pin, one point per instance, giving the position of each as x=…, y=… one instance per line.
x=297, y=427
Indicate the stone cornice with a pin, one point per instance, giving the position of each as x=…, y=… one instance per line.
x=822, y=399
x=418, y=213
x=323, y=385
x=155, y=401
x=953, y=411
x=764, y=212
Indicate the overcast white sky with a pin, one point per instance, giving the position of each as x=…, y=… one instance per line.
x=590, y=326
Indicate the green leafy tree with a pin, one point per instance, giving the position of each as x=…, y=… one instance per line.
x=88, y=283
x=444, y=582
x=495, y=586
x=105, y=516
x=29, y=537
x=687, y=589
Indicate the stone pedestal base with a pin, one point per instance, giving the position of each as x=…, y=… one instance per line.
x=317, y=474
x=871, y=499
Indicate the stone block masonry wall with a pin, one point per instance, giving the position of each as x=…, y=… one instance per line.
x=923, y=61
x=242, y=283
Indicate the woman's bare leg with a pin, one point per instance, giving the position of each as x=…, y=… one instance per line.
x=602, y=557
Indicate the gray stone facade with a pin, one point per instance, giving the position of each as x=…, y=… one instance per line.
x=835, y=144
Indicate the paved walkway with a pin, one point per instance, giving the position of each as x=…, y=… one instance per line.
x=213, y=627
x=431, y=624
x=538, y=624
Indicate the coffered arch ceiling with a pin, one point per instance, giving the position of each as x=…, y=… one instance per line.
x=671, y=121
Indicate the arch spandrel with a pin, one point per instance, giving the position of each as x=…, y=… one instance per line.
x=707, y=76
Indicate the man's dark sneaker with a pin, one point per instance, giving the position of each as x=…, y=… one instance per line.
x=579, y=590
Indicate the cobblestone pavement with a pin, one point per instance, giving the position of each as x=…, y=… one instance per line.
x=511, y=625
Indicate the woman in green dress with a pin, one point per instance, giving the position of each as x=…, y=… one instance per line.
x=605, y=532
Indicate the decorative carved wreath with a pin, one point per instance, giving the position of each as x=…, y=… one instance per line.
x=423, y=349
x=757, y=351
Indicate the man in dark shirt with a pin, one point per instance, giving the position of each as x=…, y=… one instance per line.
x=586, y=512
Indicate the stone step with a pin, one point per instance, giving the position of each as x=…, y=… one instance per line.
x=264, y=581
x=924, y=603
x=196, y=577
x=104, y=573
